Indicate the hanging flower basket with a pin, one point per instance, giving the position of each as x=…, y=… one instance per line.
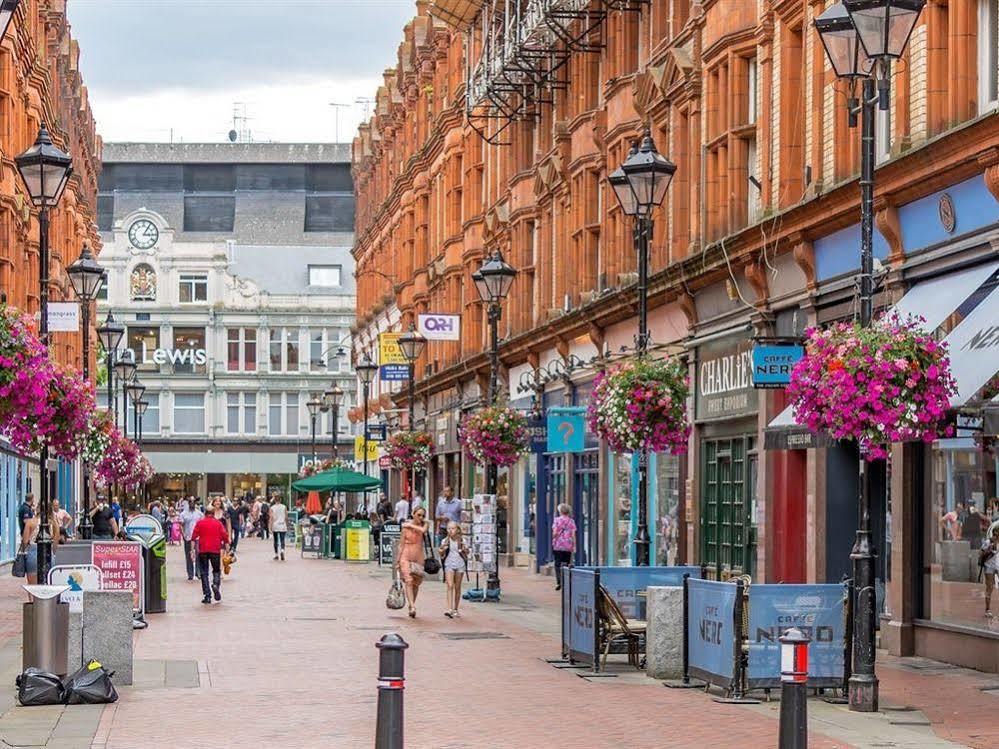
x=890, y=382
x=410, y=451
x=642, y=405
x=497, y=435
x=122, y=463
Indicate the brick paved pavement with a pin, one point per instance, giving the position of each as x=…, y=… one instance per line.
x=288, y=660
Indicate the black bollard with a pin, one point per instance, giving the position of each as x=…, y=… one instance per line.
x=391, y=683
x=793, y=690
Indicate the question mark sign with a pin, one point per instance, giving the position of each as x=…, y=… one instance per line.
x=567, y=429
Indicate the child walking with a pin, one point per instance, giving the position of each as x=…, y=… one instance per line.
x=454, y=554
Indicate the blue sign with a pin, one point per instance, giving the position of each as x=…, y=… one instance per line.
x=623, y=584
x=711, y=636
x=377, y=432
x=817, y=610
x=582, y=615
x=394, y=372
x=773, y=362
x=538, y=429
x=567, y=429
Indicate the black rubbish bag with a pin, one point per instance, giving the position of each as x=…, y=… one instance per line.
x=37, y=687
x=90, y=685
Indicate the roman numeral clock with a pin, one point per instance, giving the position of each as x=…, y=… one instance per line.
x=143, y=234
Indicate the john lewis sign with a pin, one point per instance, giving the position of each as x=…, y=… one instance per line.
x=175, y=356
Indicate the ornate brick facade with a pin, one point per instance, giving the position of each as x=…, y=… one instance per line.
x=40, y=81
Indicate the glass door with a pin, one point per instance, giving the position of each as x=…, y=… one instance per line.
x=587, y=493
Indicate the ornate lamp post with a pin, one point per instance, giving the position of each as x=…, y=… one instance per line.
x=134, y=391
x=45, y=170
x=493, y=281
x=412, y=343
x=140, y=411
x=87, y=278
x=861, y=38
x=110, y=335
x=125, y=371
x=366, y=370
x=334, y=399
x=315, y=406
x=640, y=184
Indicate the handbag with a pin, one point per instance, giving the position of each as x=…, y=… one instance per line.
x=20, y=566
x=395, y=599
x=430, y=565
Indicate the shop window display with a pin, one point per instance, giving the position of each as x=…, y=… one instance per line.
x=621, y=517
x=962, y=510
x=667, y=513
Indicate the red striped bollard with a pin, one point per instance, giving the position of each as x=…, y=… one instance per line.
x=391, y=684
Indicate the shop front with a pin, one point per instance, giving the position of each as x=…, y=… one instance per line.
x=726, y=455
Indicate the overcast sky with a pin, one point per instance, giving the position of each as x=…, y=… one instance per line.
x=156, y=65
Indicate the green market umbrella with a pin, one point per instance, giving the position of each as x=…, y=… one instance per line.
x=337, y=480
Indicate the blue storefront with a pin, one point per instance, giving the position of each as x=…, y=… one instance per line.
x=16, y=480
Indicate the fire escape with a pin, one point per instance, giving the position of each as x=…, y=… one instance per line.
x=522, y=47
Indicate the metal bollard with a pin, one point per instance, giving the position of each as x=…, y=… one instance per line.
x=793, y=690
x=391, y=683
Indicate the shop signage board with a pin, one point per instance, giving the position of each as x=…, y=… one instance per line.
x=385, y=462
x=711, y=636
x=624, y=584
x=773, y=362
x=377, y=432
x=312, y=540
x=64, y=317
x=724, y=384
x=185, y=355
x=357, y=534
x=566, y=429
x=79, y=577
x=144, y=525
x=359, y=449
x=120, y=563
x=391, y=532
x=538, y=430
x=394, y=366
x=439, y=327
x=817, y=610
x=582, y=615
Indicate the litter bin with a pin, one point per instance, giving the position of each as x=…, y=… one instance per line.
x=154, y=565
x=45, y=624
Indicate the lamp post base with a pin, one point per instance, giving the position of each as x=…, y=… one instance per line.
x=863, y=689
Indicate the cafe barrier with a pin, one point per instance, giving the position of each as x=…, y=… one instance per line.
x=580, y=589
x=820, y=612
x=713, y=633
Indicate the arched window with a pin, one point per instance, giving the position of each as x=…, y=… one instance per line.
x=142, y=286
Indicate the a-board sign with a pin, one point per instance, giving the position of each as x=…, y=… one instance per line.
x=357, y=534
x=312, y=540
x=390, y=534
x=79, y=577
x=120, y=563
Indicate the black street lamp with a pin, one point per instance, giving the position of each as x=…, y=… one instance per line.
x=366, y=370
x=132, y=391
x=87, y=278
x=140, y=411
x=125, y=372
x=7, y=8
x=315, y=406
x=861, y=38
x=493, y=281
x=412, y=343
x=45, y=169
x=640, y=184
x=110, y=335
x=334, y=399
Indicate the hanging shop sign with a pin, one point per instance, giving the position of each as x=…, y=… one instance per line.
x=724, y=380
x=64, y=317
x=538, y=429
x=359, y=443
x=773, y=361
x=566, y=429
x=437, y=327
x=377, y=432
x=394, y=366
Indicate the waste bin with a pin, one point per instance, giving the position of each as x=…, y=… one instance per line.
x=154, y=565
x=45, y=624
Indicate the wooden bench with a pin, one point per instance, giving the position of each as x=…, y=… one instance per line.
x=614, y=628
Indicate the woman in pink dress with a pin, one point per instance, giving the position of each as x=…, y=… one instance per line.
x=411, y=556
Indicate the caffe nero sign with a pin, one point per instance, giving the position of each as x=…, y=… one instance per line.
x=724, y=381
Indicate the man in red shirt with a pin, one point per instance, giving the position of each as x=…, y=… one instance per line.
x=212, y=538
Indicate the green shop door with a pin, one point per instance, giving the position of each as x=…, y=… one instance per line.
x=728, y=536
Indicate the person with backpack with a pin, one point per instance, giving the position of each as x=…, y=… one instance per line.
x=563, y=541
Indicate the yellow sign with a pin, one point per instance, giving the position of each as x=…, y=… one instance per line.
x=358, y=535
x=389, y=350
x=359, y=449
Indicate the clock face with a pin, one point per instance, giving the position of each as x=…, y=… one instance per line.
x=143, y=234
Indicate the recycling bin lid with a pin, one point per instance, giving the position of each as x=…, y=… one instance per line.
x=147, y=540
x=45, y=592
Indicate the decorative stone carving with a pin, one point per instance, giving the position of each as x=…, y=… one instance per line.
x=886, y=219
x=142, y=283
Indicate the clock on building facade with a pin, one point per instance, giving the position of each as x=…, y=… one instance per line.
x=143, y=234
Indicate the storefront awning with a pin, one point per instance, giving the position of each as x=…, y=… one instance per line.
x=974, y=349
x=223, y=462
x=936, y=300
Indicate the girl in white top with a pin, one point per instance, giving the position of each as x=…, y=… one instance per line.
x=453, y=553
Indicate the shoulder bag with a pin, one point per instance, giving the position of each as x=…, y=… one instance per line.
x=20, y=566
x=430, y=565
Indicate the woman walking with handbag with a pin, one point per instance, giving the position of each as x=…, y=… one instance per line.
x=412, y=556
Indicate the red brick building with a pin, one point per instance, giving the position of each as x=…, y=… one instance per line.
x=40, y=81
x=758, y=236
